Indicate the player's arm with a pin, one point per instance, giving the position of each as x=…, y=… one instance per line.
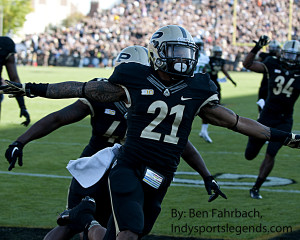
x=95, y=90
x=227, y=75
x=249, y=62
x=220, y=116
x=194, y=160
x=70, y=114
x=14, y=77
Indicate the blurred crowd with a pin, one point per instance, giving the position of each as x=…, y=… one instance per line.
x=96, y=40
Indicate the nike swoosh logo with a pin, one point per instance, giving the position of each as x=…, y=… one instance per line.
x=184, y=99
x=13, y=151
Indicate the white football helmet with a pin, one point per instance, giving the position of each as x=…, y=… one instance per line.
x=290, y=53
x=135, y=53
x=217, y=51
x=274, y=47
x=173, y=50
x=199, y=42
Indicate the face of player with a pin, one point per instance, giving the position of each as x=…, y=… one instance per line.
x=291, y=59
x=181, y=57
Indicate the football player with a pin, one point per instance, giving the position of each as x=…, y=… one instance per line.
x=201, y=67
x=283, y=92
x=164, y=99
x=274, y=51
x=108, y=121
x=216, y=64
x=7, y=59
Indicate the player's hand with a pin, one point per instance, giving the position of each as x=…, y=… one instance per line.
x=13, y=88
x=14, y=153
x=24, y=113
x=263, y=41
x=293, y=141
x=212, y=185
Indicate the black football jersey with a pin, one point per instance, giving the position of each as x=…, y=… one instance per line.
x=283, y=87
x=160, y=116
x=264, y=55
x=7, y=47
x=216, y=65
x=263, y=89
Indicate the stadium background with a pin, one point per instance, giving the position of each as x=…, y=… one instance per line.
x=93, y=42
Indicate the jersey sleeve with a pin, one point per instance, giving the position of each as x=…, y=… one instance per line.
x=126, y=74
x=269, y=63
x=7, y=47
x=88, y=103
x=11, y=47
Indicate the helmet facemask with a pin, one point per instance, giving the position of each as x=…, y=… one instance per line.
x=177, y=58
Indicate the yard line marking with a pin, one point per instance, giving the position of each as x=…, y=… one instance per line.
x=239, y=188
x=173, y=184
x=35, y=175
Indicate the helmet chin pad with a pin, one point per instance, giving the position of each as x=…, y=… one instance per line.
x=180, y=67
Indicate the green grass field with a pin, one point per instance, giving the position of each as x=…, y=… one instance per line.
x=34, y=200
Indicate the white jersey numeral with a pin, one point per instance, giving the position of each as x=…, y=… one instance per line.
x=149, y=132
x=280, y=88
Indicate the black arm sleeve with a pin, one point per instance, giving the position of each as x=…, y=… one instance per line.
x=37, y=89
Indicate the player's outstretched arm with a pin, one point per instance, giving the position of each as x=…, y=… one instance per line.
x=228, y=76
x=70, y=114
x=220, y=116
x=95, y=90
x=249, y=62
x=194, y=159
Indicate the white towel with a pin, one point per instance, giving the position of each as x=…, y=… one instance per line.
x=89, y=170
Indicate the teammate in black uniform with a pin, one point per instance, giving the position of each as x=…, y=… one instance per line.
x=7, y=59
x=164, y=100
x=108, y=121
x=274, y=51
x=283, y=92
x=215, y=65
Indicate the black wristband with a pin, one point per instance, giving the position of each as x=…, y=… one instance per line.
x=256, y=49
x=37, y=89
x=278, y=136
x=18, y=144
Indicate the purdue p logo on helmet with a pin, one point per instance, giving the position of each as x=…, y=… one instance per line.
x=135, y=53
x=173, y=50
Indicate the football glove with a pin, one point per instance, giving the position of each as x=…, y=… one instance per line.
x=262, y=41
x=14, y=153
x=15, y=89
x=211, y=184
x=293, y=141
x=24, y=113
x=79, y=216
